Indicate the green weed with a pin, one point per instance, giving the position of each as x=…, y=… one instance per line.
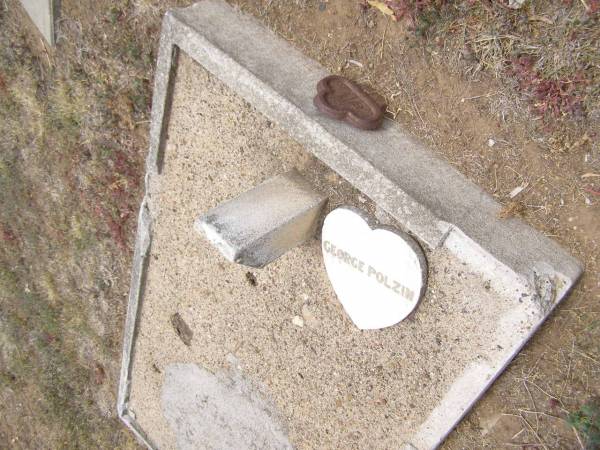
x=586, y=421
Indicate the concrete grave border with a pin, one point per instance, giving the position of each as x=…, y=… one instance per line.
x=44, y=15
x=425, y=195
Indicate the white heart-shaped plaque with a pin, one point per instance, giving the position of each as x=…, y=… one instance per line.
x=378, y=275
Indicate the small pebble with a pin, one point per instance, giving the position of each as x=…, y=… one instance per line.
x=491, y=142
x=309, y=317
x=298, y=321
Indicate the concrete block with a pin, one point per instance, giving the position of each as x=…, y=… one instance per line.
x=43, y=13
x=263, y=223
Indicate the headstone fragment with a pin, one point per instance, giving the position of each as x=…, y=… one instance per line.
x=220, y=410
x=263, y=223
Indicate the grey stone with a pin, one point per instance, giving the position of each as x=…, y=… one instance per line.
x=43, y=13
x=221, y=411
x=261, y=224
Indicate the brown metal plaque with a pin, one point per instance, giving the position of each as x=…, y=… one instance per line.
x=342, y=99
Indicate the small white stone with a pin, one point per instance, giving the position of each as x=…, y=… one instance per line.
x=516, y=191
x=356, y=63
x=515, y=4
x=491, y=142
x=298, y=321
x=309, y=317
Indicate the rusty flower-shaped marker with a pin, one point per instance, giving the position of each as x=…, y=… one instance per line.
x=342, y=99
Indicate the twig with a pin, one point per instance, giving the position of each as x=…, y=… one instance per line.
x=489, y=94
x=46, y=52
x=587, y=356
x=412, y=100
x=537, y=436
x=266, y=9
x=383, y=39
x=546, y=393
x=517, y=173
x=535, y=433
x=578, y=438
x=418, y=112
x=564, y=385
x=525, y=445
x=517, y=434
x=537, y=419
x=585, y=5
x=527, y=411
x=558, y=418
x=496, y=178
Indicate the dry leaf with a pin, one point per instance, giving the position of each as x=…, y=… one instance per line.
x=512, y=209
x=99, y=374
x=182, y=329
x=381, y=6
x=536, y=18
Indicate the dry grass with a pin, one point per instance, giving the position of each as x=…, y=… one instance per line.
x=549, y=51
x=70, y=170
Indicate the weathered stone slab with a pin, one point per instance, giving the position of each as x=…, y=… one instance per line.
x=219, y=411
x=263, y=223
x=43, y=14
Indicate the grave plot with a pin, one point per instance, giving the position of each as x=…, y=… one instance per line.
x=220, y=354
